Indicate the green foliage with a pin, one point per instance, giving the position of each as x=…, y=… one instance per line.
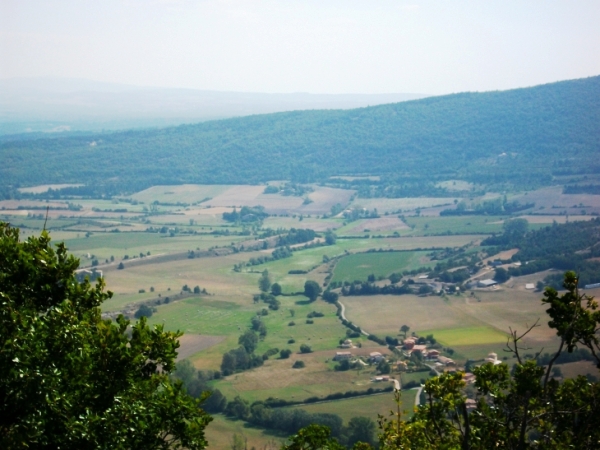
x=143, y=311
x=312, y=290
x=264, y=282
x=305, y=348
x=69, y=379
x=276, y=289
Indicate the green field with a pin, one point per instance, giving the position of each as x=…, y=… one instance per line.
x=455, y=224
x=369, y=406
x=359, y=266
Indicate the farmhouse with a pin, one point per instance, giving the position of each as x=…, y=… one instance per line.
x=486, y=283
x=493, y=358
x=401, y=366
x=342, y=355
x=469, y=378
x=422, y=348
x=444, y=360
x=432, y=354
x=381, y=378
x=347, y=343
x=375, y=357
x=409, y=343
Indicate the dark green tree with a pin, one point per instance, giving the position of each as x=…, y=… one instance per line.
x=249, y=340
x=361, y=429
x=264, y=282
x=71, y=380
x=312, y=290
x=276, y=289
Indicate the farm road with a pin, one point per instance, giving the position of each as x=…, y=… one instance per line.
x=343, y=316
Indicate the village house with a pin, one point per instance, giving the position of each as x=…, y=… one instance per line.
x=381, y=378
x=342, y=355
x=432, y=354
x=375, y=357
x=444, y=360
x=347, y=344
x=401, y=366
x=469, y=378
x=408, y=343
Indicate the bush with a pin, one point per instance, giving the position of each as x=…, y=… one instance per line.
x=304, y=348
x=298, y=365
x=291, y=341
x=310, y=321
x=143, y=311
x=285, y=353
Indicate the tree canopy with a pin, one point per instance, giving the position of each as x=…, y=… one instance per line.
x=71, y=380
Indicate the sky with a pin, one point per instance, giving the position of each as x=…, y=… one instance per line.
x=316, y=46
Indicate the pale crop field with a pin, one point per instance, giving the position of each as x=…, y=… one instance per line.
x=401, y=204
x=186, y=193
x=482, y=322
x=480, y=335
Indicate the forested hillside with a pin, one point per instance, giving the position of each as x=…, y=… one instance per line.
x=523, y=136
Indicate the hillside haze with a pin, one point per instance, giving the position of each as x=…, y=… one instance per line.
x=65, y=104
x=523, y=136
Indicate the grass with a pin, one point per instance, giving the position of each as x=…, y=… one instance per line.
x=360, y=265
x=455, y=224
x=368, y=406
x=220, y=431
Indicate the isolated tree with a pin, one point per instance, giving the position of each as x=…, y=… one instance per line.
x=305, y=348
x=405, y=329
x=330, y=238
x=264, y=282
x=312, y=290
x=71, y=380
x=276, y=289
x=501, y=275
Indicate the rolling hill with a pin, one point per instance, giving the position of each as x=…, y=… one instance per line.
x=522, y=136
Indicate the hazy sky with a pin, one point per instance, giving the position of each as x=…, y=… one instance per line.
x=318, y=46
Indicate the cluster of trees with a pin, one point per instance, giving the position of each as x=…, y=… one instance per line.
x=277, y=254
x=568, y=246
x=246, y=214
x=593, y=189
x=358, y=429
x=497, y=207
x=296, y=236
x=243, y=357
x=366, y=288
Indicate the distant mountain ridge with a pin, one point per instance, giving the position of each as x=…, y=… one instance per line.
x=58, y=104
x=523, y=136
